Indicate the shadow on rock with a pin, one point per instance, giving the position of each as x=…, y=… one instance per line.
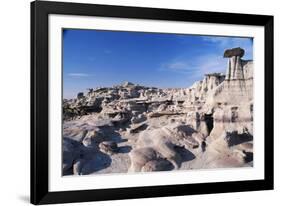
x=115, y=137
x=248, y=157
x=185, y=154
x=233, y=138
x=98, y=162
x=71, y=151
x=81, y=160
x=158, y=165
x=125, y=149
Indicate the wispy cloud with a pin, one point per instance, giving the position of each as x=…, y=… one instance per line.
x=195, y=68
x=177, y=66
x=196, y=64
x=79, y=75
x=231, y=42
x=211, y=63
x=181, y=67
x=107, y=51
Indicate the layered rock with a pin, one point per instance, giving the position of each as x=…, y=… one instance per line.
x=232, y=99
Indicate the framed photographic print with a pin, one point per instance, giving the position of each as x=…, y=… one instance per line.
x=131, y=102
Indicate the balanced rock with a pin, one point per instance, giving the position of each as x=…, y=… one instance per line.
x=234, y=52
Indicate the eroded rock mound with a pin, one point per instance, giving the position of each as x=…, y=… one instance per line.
x=162, y=144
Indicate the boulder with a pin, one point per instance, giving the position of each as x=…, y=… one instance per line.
x=141, y=156
x=135, y=128
x=93, y=138
x=157, y=165
x=70, y=152
x=138, y=119
x=108, y=147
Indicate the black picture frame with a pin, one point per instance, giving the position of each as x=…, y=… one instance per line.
x=39, y=102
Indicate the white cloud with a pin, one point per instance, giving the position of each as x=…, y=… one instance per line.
x=177, y=66
x=231, y=42
x=182, y=67
x=226, y=41
x=79, y=75
x=196, y=68
x=211, y=63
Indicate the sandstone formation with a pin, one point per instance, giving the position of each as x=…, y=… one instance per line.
x=134, y=128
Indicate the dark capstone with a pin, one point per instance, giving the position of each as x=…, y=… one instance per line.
x=234, y=52
x=80, y=95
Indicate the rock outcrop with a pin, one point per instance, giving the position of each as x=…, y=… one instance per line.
x=134, y=128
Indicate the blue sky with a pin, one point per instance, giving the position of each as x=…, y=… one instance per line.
x=94, y=58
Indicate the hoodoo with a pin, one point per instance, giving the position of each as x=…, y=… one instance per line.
x=234, y=68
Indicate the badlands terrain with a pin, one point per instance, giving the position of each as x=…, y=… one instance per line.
x=134, y=128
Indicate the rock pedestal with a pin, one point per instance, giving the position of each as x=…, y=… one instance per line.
x=234, y=70
x=234, y=67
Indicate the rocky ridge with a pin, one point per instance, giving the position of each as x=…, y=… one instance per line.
x=133, y=128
